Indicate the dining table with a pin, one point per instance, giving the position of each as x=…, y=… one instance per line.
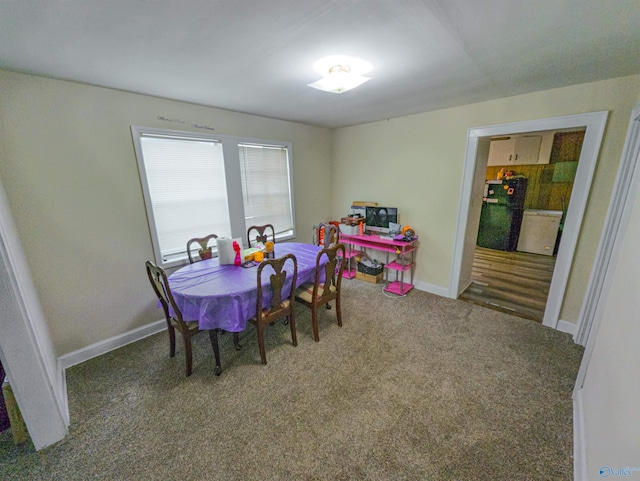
x=224, y=297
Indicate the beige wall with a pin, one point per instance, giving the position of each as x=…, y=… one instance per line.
x=415, y=163
x=68, y=166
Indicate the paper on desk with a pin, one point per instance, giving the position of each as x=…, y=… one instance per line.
x=226, y=254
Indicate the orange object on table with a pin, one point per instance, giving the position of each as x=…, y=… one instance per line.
x=258, y=256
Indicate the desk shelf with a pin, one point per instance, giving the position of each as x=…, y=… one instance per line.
x=350, y=272
x=400, y=265
x=378, y=243
x=350, y=253
x=397, y=266
x=398, y=288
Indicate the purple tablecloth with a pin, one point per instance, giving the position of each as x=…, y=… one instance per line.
x=225, y=296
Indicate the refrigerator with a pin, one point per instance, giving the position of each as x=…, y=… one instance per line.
x=501, y=214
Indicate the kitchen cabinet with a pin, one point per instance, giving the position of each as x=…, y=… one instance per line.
x=514, y=150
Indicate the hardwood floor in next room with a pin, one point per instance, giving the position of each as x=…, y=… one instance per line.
x=514, y=282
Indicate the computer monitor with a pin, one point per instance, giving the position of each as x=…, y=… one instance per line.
x=377, y=218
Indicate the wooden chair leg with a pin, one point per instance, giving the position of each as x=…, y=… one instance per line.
x=314, y=322
x=213, y=335
x=338, y=310
x=187, y=353
x=292, y=325
x=263, y=355
x=236, y=341
x=172, y=340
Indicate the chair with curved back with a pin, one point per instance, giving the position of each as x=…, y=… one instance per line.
x=325, y=288
x=205, y=251
x=282, y=298
x=262, y=236
x=188, y=329
x=330, y=235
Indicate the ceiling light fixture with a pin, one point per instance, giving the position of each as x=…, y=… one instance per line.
x=340, y=73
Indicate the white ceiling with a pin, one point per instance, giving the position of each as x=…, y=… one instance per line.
x=256, y=56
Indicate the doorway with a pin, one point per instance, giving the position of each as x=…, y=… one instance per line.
x=476, y=158
x=514, y=260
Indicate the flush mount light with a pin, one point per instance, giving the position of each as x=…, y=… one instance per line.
x=340, y=73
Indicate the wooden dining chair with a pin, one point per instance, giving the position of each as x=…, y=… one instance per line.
x=325, y=288
x=330, y=237
x=282, y=302
x=261, y=236
x=188, y=329
x=205, y=251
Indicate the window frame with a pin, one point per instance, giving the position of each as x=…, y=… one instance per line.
x=233, y=179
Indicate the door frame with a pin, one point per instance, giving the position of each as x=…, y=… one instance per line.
x=594, y=123
x=625, y=190
x=26, y=349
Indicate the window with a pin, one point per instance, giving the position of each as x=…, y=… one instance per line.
x=265, y=187
x=197, y=184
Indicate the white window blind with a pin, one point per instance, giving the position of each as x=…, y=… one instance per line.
x=198, y=184
x=266, y=186
x=187, y=189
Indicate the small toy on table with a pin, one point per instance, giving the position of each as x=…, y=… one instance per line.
x=237, y=261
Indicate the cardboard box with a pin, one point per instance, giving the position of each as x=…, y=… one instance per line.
x=352, y=220
x=368, y=277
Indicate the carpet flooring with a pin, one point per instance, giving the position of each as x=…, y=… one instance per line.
x=414, y=388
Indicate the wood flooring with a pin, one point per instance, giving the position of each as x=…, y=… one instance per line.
x=514, y=282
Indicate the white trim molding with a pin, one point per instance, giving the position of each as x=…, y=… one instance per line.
x=625, y=191
x=579, y=444
x=626, y=184
x=26, y=349
x=432, y=289
x=566, y=326
x=102, y=347
x=595, y=123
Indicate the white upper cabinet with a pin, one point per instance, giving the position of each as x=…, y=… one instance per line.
x=514, y=150
x=501, y=151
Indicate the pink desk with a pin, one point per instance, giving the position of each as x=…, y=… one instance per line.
x=404, y=261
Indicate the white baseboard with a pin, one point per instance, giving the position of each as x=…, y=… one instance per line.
x=81, y=355
x=437, y=290
x=579, y=447
x=566, y=326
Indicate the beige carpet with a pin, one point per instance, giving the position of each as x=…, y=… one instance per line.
x=414, y=388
